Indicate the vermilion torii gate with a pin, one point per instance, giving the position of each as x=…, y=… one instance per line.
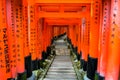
x=27, y=28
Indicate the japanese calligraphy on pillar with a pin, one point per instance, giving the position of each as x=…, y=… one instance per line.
x=114, y=42
x=104, y=38
x=19, y=36
x=25, y=26
x=11, y=36
x=32, y=32
x=94, y=28
x=4, y=54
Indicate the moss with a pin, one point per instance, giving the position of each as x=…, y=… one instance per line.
x=39, y=74
x=22, y=76
x=96, y=77
x=68, y=46
x=78, y=64
x=46, y=64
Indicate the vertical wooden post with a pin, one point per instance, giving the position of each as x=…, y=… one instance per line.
x=83, y=65
x=32, y=33
x=19, y=38
x=44, y=34
x=104, y=39
x=42, y=37
x=48, y=35
x=73, y=34
x=38, y=35
x=40, y=42
x=41, y=21
x=25, y=26
x=76, y=35
x=85, y=41
x=70, y=32
x=114, y=42
x=94, y=38
x=26, y=41
x=4, y=54
x=79, y=41
x=79, y=38
x=11, y=37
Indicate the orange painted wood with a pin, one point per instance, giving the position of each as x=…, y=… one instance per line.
x=100, y=38
x=63, y=29
x=94, y=28
x=86, y=38
x=79, y=38
x=56, y=30
x=4, y=52
x=76, y=35
x=63, y=1
x=11, y=37
x=41, y=24
x=40, y=29
x=61, y=15
x=37, y=43
x=32, y=29
x=83, y=25
x=46, y=36
x=50, y=35
x=19, y=36
x=25, y=26
x=104, y=38
x=61, y=22
x=114, y=42
x=72, y=33
x=39, y=39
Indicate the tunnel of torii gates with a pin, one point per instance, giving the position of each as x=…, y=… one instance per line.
x=27, y=27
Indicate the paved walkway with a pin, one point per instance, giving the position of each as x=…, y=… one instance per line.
x=61, y=68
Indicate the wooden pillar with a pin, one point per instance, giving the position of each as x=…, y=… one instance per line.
x=86, y=42
x=39, y=30
x=40, y=41
x=44, y=35
x=48, y=36
x=114, y=42
x=73, y=34
x=82, y=40
x=4, y=53
x=38, y=25
x=79, y=38
x=19, y=38
x=11, y=37
x=83, y=44
x=104, y=39
x=26, y=38
x=56, y=30
x=70, y=33
x=50, y=33
x=76, y=35
x=32, y=33
x=94, y=38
